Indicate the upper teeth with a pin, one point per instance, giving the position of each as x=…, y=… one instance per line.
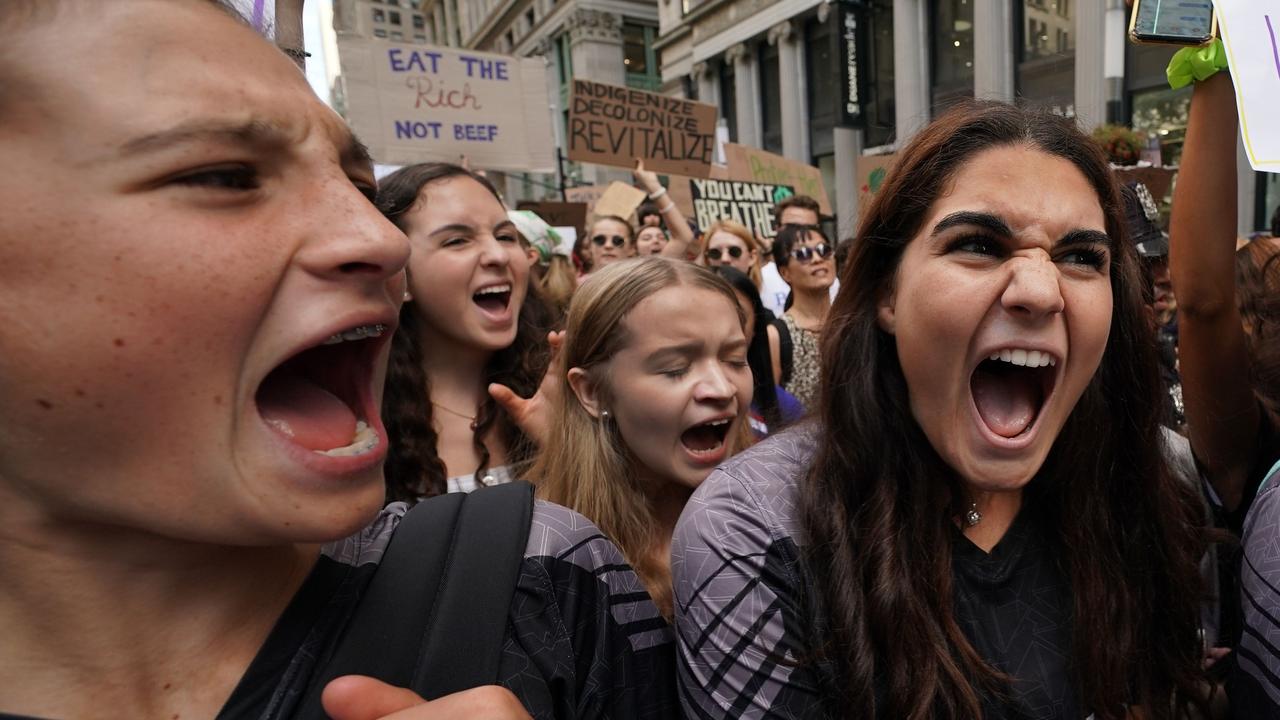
x=494, y=290
x=356, y=333
x=718, y=423
x=1029, y=358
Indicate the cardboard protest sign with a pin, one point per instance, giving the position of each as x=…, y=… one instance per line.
x=613, y=125
x=419, y=103
x=619, y=199
x=558, y=214
x=587, y=194
x=750, y=164
x=872, y=170
x=745, y=202
x=1249, y=30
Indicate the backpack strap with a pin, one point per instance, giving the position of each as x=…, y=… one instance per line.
x=469, y=616
x=451, y=546
x=784, y=348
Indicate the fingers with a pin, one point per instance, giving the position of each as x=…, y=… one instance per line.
x=483, y=703
x=508, y=399
x=356, y=697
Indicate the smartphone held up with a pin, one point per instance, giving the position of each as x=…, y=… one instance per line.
x=1173, y=22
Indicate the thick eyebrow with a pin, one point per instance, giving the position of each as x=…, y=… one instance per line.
x=1085, y=237
x=470, y=230
x=453, y=228
x=994, y=224
x=986, y=221
x=259, y=133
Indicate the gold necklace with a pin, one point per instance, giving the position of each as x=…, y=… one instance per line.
x=464, y=416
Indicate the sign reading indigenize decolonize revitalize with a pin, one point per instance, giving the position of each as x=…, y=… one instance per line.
x=614, y=125
x=420, y=103
x=748, y=203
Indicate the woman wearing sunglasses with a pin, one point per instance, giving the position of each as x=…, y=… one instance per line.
x=804, y=259
x=612, y=238
x=730, y=244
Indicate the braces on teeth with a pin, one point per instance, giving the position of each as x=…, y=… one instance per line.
x=359, y=333
x=366, y=439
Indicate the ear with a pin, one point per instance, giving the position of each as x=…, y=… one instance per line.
x=886, y=317
x=585, y=390
x=784, y=272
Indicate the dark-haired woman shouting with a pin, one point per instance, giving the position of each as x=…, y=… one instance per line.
x=979, y=523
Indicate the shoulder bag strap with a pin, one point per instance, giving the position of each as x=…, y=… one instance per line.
x=384, y=636
x=469, y=619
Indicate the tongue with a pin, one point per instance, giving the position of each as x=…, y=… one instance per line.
x=700, y=438
x=311, y=416
x=1007, y=401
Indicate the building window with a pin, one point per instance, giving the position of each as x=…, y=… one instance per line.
x=879, y=111
x=952, y=57
x=419, y=22
x=529, y=19
x=511, y=39
x=638, y=58
x=379, y=32
x=395, y=17
x=397, y=35
x=770, y=99
x=821, y=62
x=379, y=15
x=420, y=38
x=728, y=98
x=1045, y=73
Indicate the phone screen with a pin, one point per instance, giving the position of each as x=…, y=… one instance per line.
x=1174, y=19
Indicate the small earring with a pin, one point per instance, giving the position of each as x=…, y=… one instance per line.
x=605, y=416
x=407, y=296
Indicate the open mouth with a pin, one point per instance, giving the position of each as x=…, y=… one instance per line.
x=321, y=398
x=1010, y=388
x=706, y=440
x=494, y=299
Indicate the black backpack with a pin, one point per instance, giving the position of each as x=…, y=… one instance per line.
x=434, y=615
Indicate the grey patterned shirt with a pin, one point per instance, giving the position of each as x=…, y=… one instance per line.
x=744, y=626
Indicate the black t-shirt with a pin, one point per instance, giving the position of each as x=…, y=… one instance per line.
x=583, y=639
x=743, y=626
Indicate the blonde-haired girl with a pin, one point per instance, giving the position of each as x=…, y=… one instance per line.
x=657, y=397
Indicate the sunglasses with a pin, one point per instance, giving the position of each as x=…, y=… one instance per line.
x=734, y=251
x=804, y=253
x=617, y=240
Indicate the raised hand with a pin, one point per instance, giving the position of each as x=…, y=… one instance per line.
x=533, y=415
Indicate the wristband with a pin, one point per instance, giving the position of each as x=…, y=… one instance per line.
x=667, y=208
x=1196, y=63
x=659, y=193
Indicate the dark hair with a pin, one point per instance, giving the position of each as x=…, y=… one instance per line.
x=758, y=357
x=878, y=503
x=800, y=201
x=414, y=468
x=645, y=210
x=788, y=237
x=1275, y=222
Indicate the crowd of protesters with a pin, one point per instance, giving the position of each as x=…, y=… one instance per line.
x=284, y=441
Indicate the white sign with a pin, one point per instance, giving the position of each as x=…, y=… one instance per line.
x=1251, y=34
x=422, y=103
